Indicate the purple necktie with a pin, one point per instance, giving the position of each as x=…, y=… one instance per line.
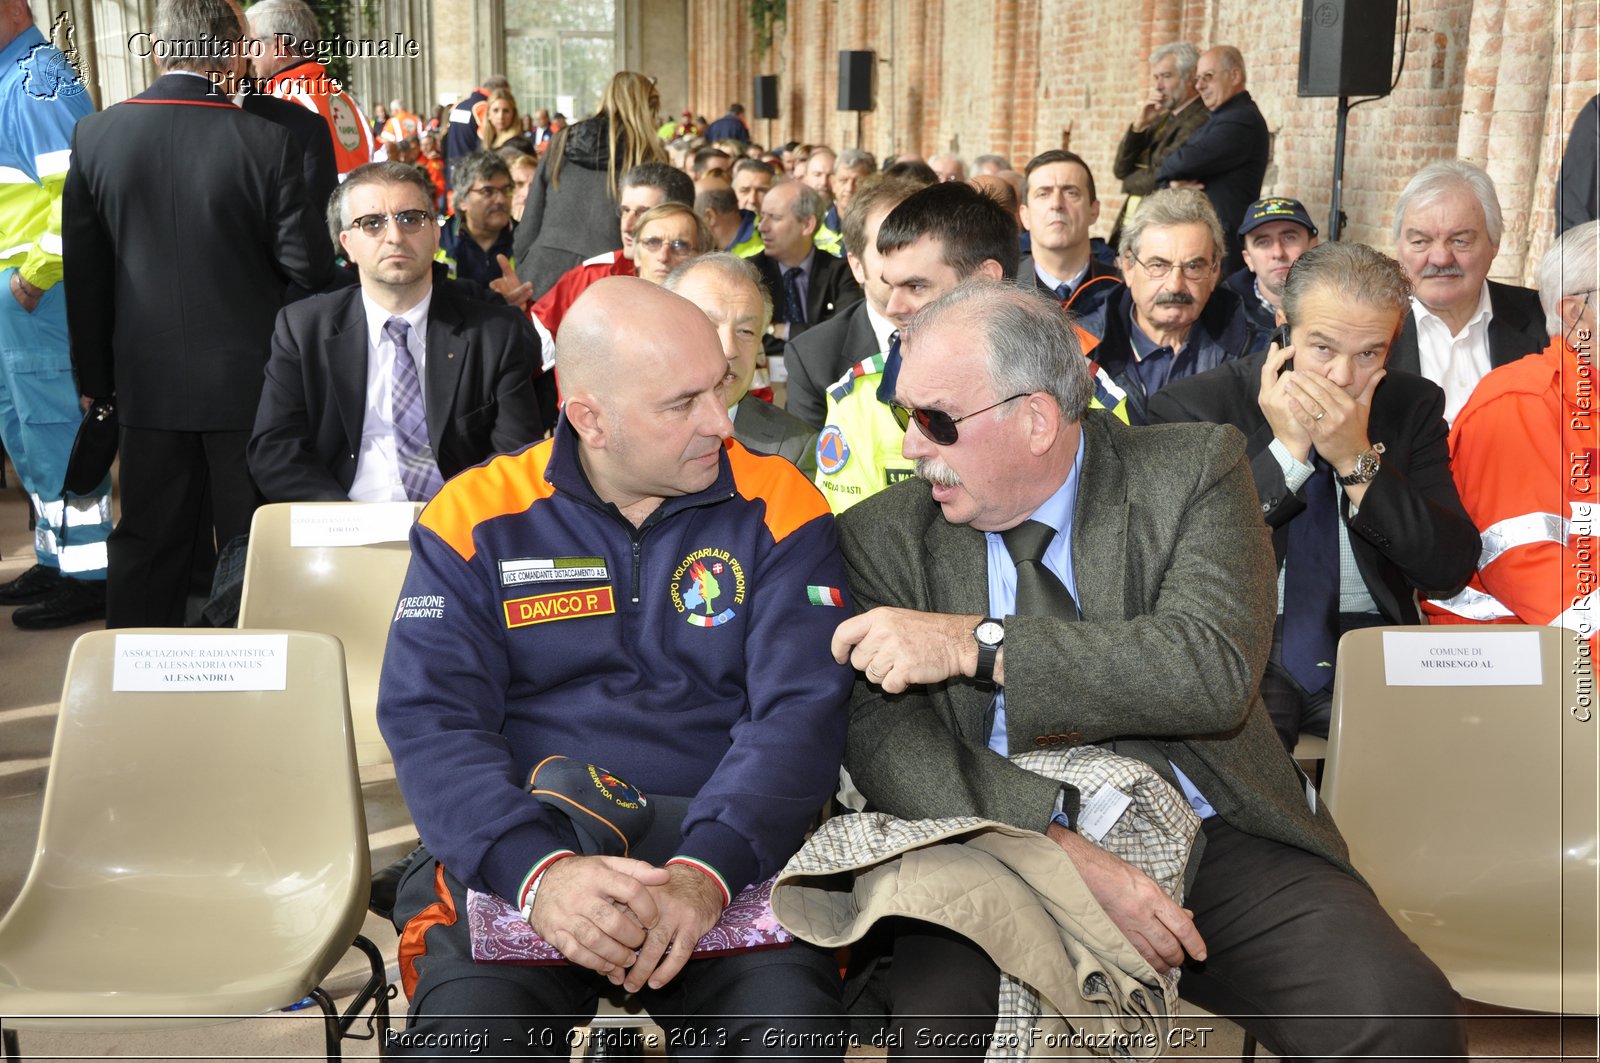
x=418, y=471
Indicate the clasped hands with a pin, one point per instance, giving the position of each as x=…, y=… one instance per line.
x=633, y=922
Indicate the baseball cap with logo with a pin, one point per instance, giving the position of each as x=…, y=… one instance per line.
x=1275, y=208
x=607, y=816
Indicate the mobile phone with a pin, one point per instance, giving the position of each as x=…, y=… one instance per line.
x=1280, y=337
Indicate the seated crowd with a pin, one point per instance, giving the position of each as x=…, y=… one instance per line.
x=1027, y=489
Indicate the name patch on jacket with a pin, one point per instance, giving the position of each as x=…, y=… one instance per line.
x=705, y=580
x=514, y=572
x=563, y=605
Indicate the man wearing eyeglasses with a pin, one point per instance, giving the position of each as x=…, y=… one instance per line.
x=381, y=393
x=479, y=233
x=1052, y=578
x=667, y=235
x=1172, y=319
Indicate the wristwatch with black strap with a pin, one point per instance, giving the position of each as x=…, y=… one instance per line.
x=989, y=634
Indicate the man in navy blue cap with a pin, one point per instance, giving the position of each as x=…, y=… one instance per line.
x=1275, y=232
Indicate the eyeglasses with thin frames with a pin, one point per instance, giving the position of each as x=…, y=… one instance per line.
x=1196, y=269
x=410, y=221
x=938, y=425
x=654, y=244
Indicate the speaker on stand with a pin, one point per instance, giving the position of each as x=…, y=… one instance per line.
x=1346, y=49
x=855, y=85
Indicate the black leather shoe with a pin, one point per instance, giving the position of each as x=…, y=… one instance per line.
x=34, y=585
x=75, y=601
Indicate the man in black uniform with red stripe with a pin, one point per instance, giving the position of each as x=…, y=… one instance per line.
x=184, y=218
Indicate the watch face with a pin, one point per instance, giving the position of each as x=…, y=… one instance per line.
x=989, y=632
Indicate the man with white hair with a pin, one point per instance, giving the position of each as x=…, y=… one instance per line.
x=729, y=291
x=1447, y=230
x=1523, y=454
x=287, y=30
x=1036, y=536
x=1166, y=118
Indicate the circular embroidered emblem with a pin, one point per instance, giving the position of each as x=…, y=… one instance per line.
x=833, y=453
x=707, y=586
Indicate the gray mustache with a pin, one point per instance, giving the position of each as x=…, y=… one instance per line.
x=1441, y=271
x=1174, y=299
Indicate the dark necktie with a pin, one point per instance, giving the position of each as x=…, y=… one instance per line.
x=794, y=307
x=890, y=378
x=1063, y=291
x=419, y=473
x=1040, y=592
x=1311, y=584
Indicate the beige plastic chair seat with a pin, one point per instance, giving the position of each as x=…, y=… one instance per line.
x=1471, y=810
x=348, y=592
x=201, y=854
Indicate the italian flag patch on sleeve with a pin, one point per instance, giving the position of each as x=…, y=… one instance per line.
x=824, y=596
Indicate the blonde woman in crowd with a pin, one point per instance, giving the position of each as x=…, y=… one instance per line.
x=570, y=213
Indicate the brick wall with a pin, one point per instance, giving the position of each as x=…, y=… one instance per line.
x=1497, y=82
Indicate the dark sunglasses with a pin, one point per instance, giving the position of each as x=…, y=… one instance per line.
x=938, y=425
x=410, y=221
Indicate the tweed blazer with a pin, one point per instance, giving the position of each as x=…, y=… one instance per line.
x=1177, y=588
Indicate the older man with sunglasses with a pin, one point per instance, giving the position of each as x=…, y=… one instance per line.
x=1052, y=578
x=382, y=392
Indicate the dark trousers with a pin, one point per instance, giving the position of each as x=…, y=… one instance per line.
x=1299, y=953
x=184, y=494
x=1294, y=710
x=778, y=1002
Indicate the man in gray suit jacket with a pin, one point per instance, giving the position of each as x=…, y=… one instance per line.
x=1151, y=643
x=729, y=290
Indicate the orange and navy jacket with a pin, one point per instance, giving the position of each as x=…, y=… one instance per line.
x=1523, y=453
x=689, y=656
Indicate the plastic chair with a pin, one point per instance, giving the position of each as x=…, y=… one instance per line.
x=201, y=856
x=345, y=591
x=1471, y=810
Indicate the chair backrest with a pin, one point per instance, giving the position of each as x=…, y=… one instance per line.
x=1471, y=809
x=349, y=592
x=228, y=824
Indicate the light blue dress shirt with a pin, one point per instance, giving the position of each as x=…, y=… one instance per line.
x=1056, y=511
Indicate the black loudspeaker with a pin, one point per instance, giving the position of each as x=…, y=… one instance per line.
x=1347, y=47
x=766, y=96
x=855, y=80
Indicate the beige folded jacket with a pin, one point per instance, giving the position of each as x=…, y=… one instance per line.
x=1071, y=983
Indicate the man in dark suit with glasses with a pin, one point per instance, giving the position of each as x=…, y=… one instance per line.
x=381, y=392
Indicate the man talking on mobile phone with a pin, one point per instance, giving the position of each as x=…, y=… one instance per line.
x=1352, y=465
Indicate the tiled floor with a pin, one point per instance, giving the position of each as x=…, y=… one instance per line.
x=31, y=668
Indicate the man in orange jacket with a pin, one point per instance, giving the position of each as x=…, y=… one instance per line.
x=1523, y=451
x=287, y=32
